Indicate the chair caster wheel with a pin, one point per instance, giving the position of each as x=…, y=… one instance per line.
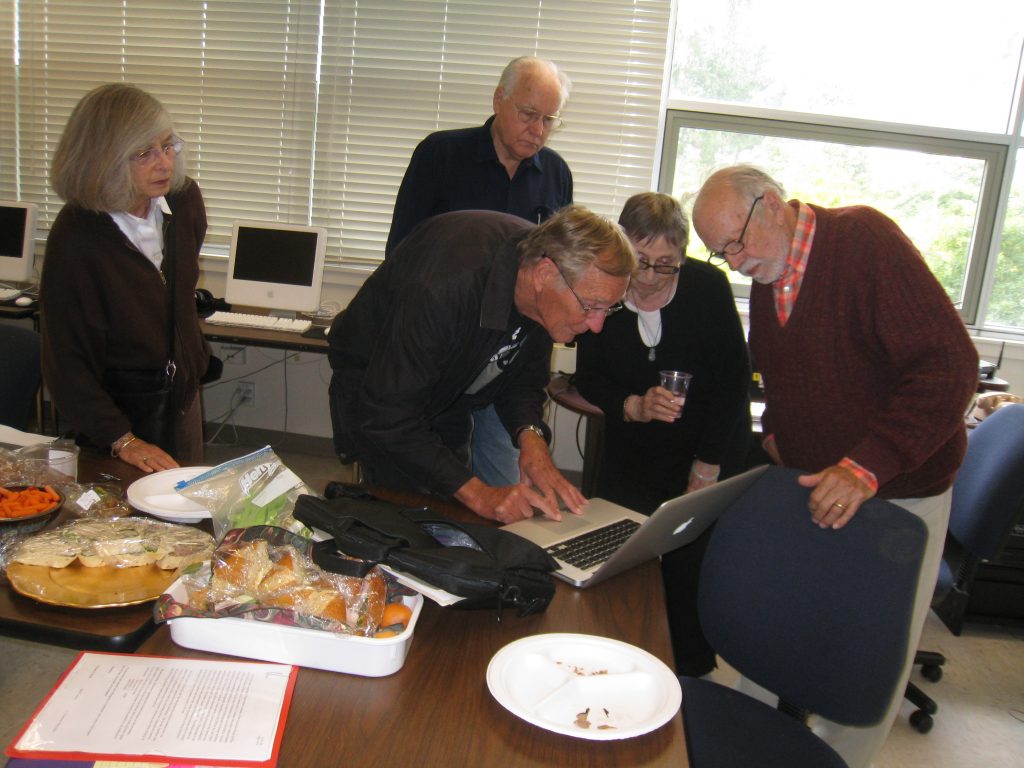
x=931, y=672
x=921, y=721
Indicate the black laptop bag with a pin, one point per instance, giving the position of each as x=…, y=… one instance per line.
x=488, y=567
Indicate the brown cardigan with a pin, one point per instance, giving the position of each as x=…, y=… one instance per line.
x=104, y=306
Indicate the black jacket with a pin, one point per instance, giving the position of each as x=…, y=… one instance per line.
x=418, y=335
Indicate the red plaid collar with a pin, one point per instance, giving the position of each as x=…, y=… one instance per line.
x=787, y=287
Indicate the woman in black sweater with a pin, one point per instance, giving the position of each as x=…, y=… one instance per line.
x=680, y=315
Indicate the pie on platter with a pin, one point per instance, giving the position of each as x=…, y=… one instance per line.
x=97, y=563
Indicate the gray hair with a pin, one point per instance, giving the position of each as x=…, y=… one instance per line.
x=92, y=164
x=748, y=180
x=575, y=239
x=649, y=215
x=515, y=69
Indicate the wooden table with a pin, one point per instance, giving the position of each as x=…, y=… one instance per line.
x=258, y=337
x=436, y=710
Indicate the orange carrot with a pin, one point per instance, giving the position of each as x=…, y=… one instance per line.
x=29, y=501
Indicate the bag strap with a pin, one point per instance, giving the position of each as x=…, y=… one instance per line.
x=327, y=556
x=170, y=253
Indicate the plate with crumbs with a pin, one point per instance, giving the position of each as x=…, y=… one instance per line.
x=584, y=686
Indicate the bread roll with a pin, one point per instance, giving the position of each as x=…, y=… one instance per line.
x=325, y=604
x=367, y=606
x=241, y=570
x=122, y=542
x=283, y=577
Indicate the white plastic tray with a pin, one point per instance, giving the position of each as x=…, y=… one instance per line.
x=366, y=656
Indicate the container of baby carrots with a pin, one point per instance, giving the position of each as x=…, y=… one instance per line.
x=28, y=508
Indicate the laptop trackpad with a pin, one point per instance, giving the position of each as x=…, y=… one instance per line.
x=567, y=526
x=544, y=532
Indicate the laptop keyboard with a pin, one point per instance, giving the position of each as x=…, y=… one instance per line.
x=593, y=547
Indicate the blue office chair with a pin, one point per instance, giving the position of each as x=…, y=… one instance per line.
x=819, y=617
x=19, y=376
x=988, y=496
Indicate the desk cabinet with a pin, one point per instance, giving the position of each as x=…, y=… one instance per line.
x=998, y=588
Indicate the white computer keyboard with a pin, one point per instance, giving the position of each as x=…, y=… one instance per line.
x=264, y=322
x=6, y=294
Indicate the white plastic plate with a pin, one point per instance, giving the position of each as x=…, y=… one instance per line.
x=155, y=494
x=584, y=686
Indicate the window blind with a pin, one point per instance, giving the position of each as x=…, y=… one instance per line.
x=307, y=111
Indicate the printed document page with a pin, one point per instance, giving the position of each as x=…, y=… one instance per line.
x=192, y=710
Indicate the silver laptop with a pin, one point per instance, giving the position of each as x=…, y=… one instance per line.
x=608, y=539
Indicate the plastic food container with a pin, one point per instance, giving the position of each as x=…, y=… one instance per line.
x=366, y=656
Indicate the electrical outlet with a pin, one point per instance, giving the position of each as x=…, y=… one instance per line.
x=245, y=393
x=232, y=354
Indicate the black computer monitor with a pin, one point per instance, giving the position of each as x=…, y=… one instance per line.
x=17, y=241
x=276, y=266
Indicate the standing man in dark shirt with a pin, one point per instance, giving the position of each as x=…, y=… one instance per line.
x=502, y=165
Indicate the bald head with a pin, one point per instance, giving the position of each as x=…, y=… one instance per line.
x=527, y=104
x=741, y=214
x=536, y=74
x=743, y=181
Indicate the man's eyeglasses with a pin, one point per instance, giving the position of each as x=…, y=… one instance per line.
x=717, y=258
x=147, y=156
x=661, y=269
x=530, y=116
x=587, y=309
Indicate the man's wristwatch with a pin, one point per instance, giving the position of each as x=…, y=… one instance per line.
x=529, y=428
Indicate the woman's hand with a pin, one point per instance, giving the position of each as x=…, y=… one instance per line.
x=146, y=456
x=657, y=403
x=702, y=475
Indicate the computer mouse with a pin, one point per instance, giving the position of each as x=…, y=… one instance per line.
x=24, y=301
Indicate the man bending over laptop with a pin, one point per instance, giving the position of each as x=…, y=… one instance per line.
x=462, y=314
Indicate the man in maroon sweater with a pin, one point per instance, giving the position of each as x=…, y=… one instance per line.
x=867, y=366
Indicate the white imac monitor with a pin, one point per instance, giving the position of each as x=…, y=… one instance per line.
x=17, y=241
x=275, y=266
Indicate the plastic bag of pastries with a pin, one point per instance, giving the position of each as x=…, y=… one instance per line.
x=266, y=571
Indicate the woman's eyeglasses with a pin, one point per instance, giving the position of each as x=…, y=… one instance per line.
x=147, y=156
x=661, y=269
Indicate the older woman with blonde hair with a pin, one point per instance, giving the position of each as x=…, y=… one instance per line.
x=123, y=354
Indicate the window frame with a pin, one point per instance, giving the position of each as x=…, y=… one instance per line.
x=995, y=150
